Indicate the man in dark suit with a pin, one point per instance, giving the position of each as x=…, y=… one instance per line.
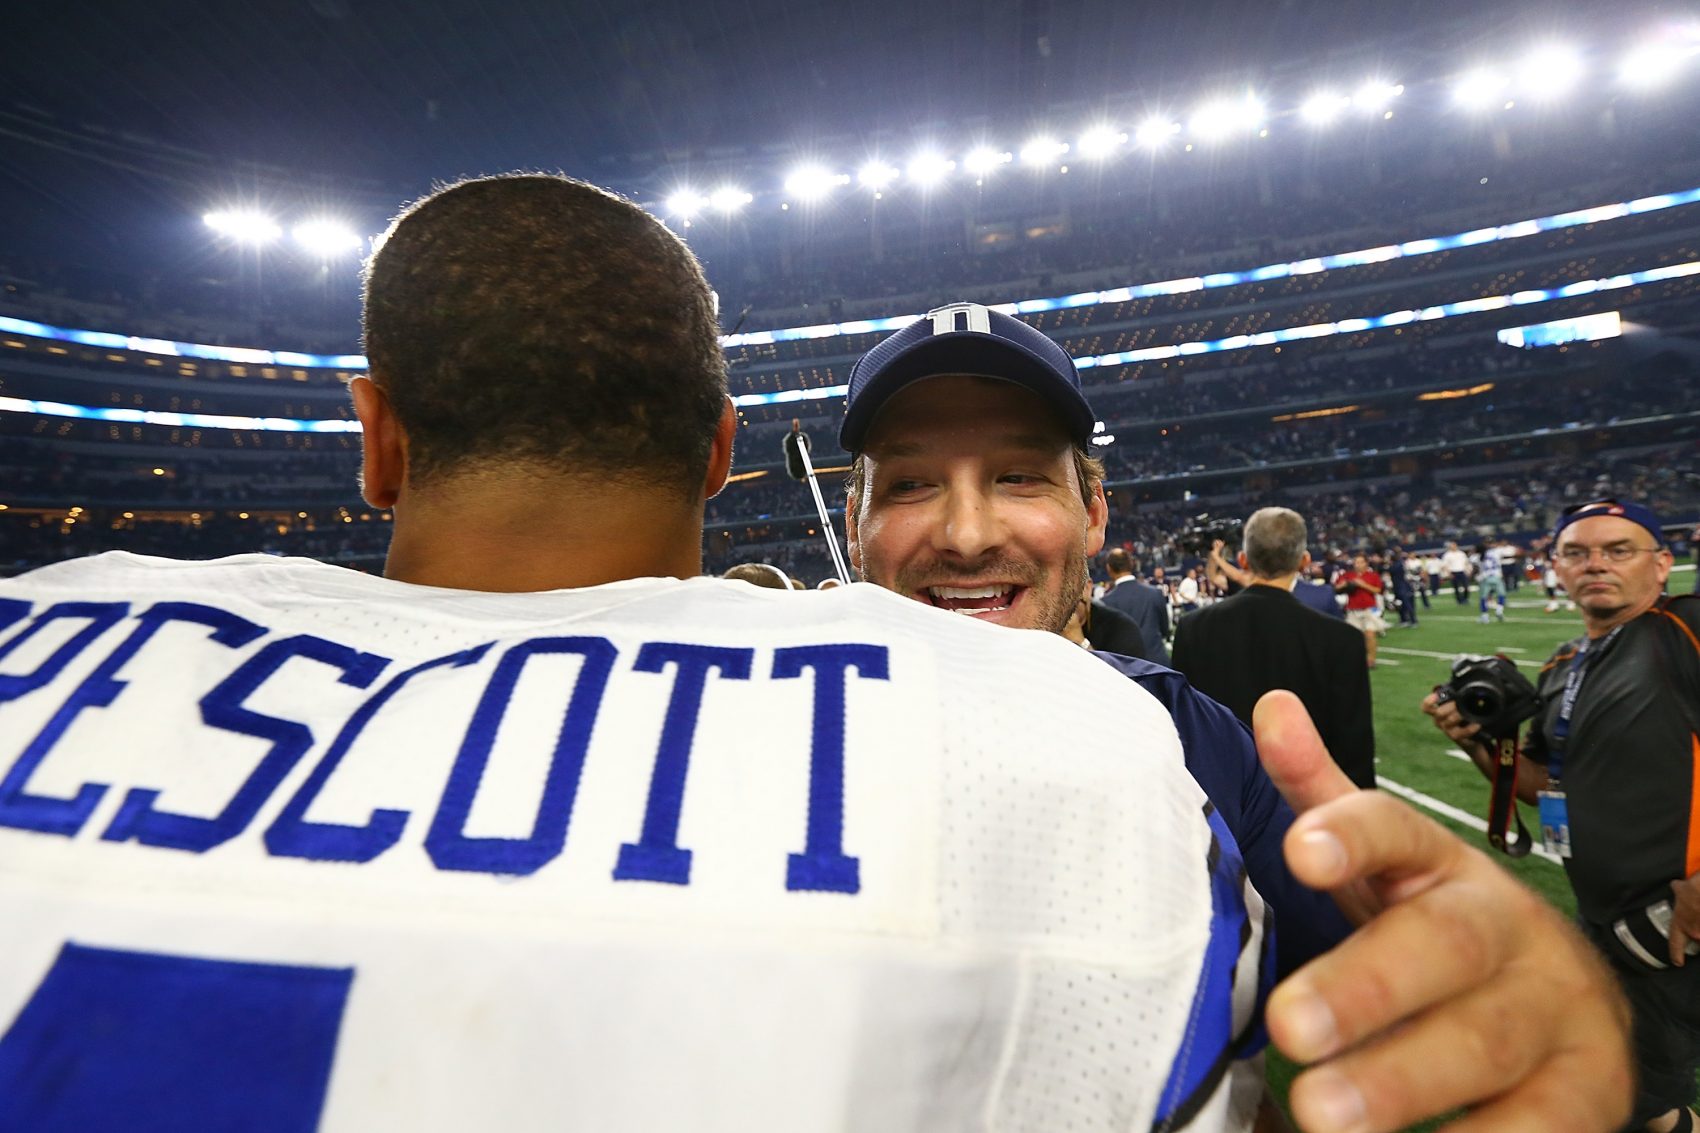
x=1146, y=605
x=1263, y=638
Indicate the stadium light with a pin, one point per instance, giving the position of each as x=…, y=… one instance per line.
x=984, y=159
x=1042, y=151
x=812, y=182
x=729, y=198
x=1479, y=89
x=1323, y=107
x=1550, y=72
x=1656, y=63
x=1100, y=141
x=929, y=168
x=1376, y=95
x=326, y=239
x=1223, y=116
x=1155, y=131
x=245, y=226
x=876, y=174
x=686, y=203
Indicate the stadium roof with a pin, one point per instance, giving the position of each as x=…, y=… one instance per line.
x=114, y=115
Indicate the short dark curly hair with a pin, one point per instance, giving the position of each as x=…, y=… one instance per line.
x=534, y=319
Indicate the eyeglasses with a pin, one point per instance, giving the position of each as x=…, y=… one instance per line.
x=1616, y=553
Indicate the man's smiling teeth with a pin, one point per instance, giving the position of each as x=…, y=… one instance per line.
x=972, y=600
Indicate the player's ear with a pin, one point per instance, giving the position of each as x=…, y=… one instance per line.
x=1239, y=557
x=720, y=452
x=1097, y=519
x=383, y=446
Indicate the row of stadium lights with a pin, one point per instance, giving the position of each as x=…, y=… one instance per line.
x=1545, y=75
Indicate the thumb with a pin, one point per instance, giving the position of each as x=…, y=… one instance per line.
x=1292, y=753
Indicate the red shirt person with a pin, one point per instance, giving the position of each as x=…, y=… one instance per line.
x=1362, y=588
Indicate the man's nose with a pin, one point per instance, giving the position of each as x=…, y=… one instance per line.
x=972, y=527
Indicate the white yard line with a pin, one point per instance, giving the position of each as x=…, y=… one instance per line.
x=1450, y=811
x=1419, y=653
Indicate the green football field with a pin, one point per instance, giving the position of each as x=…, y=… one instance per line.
x=1415, y=761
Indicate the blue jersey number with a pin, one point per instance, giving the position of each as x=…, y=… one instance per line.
x=146, y=1043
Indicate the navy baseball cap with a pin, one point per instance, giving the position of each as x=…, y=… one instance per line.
x=1633, y=512
x=964, y=338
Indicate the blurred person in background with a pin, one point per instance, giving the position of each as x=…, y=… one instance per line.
x=1399, y=568
x=760, y=574
x=1362, y=588
x=1263, y=638
x=1490, y=582
x=1311, y=588
x=1144, y=603
x=1456, y=564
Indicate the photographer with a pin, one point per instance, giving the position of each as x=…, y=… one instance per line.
x=1609, y=758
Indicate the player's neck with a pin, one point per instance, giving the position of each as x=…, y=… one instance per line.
x=1276, y=582
x=540, y=539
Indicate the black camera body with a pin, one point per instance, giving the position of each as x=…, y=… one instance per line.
x=1202, y=531
x=1489, y=691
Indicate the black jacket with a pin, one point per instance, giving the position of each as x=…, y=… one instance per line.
x=1264, y=638
x=1147, y=606
x=1108, y=630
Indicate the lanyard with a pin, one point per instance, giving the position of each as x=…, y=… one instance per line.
x=1567, y=703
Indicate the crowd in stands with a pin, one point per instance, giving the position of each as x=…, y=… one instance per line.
x=1520, y=503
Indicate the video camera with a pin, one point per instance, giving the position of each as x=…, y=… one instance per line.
x=1202, y=531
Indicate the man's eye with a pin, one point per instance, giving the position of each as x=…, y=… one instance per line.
x=898, y=486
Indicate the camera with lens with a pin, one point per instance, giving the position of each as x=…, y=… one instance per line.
x=1202, y=531
x=1489, y=691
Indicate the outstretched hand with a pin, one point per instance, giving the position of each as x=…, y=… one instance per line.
x=1460, y=988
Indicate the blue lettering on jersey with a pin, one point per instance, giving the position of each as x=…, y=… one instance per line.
x=102, y=616
x=223, y=708
x=291, y=836
x=115, y=1042
x=11, y=610
x=447, y=842
x=822, y=865
x=657, y=855
x=99, y=690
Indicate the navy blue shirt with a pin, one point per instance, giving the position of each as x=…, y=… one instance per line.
x=1319, y=598
x=1222, y=758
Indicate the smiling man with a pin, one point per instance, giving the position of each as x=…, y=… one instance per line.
x=972, y=490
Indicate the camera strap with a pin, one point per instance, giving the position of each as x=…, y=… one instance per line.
x=1502, y=808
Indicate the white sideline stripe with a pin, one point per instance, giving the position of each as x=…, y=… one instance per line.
x=1451, y=812
x=1421, y=653
x=1509, y=649
x=1388, y=661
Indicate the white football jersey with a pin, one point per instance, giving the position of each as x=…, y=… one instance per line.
x=290, y=849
